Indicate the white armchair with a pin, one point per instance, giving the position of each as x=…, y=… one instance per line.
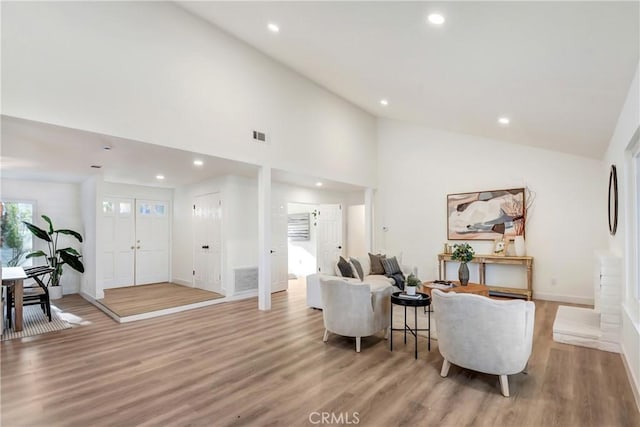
x=353, y=310
x=482, y=334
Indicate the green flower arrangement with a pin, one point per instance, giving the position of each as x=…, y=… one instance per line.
x=462, y=252
x=413, y=281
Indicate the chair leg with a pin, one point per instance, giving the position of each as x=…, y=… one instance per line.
x=47, y=305
x=504, y=385
x=358, y=344
x=445, y=368
x=526, y=369
x=326, y=335
x=9, y=307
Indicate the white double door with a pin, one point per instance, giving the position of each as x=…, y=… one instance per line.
x=207, y=241
x=136, y=242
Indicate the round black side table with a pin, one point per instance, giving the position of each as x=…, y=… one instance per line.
x=424, y=301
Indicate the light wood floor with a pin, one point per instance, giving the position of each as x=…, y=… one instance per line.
x=230, y=364
x=157, y=296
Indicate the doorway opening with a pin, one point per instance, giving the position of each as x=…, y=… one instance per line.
x=302, y=237
x=314, y=238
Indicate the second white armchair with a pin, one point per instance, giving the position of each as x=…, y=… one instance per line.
x=482, y=334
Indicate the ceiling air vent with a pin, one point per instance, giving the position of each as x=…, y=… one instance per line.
x=259, y=136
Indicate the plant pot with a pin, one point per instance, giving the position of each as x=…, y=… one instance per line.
x=519, y=246
x=463, y=274
x=411, y=290
x=55, y=292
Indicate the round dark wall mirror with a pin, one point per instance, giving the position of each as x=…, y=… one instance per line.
x=613, y=200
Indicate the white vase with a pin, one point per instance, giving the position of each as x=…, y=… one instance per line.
x=519, y=245
x=55, y=292
x=411, y=290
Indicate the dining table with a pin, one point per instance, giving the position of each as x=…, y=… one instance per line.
x=13, y=277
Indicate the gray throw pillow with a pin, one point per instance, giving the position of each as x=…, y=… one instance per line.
x=376, y=263
x=345, y=268
x=356, y=264
x=391, y=266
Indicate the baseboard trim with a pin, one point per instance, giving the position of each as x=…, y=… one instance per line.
x=625, y=362
x=634, y=389
x=182, y=282
x=563, y=298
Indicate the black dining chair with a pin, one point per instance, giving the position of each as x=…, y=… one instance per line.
x=36, y=293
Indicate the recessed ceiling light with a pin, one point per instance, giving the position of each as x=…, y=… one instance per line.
x=318, y=184
x=436, y=19
x=198, y=162
x=503, y=120
x=384, y=102
x=160, y=177
x=273, y=27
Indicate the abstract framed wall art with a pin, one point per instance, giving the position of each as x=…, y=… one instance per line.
x=486, y=215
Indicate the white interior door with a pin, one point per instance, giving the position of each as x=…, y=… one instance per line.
x=118, y=233
x=152, y=241
x=329, y=237
x=207, y=241
x=279, y=258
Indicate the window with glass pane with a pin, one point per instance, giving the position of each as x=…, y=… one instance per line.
x=107, y=207
x=159, y=210
x=17, y=240
x=125, y=207
x=145, y=209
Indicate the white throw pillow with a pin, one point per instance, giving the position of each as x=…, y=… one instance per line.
x=365, y=262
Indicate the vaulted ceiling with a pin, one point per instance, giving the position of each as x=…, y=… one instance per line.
x=560, y=71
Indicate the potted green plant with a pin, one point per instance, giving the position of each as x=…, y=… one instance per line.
x=464, y=253
x=55, y=257
x=412, y=284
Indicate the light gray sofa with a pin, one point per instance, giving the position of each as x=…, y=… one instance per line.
x=375, y=281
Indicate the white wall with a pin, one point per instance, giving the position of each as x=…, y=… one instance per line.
x=419, y=166
x=150, y=71
x=355, y=231
x=91, y=205
x=622, y=243
x=137, y=191
x=61, y=203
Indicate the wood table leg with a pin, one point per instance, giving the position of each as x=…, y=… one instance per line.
x=18, y=290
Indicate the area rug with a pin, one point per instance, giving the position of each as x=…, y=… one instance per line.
x=35, y=322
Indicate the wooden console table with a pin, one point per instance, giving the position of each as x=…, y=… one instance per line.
x=483, y=260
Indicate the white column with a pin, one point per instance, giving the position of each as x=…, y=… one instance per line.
x=368, y=219
x=264, y=238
